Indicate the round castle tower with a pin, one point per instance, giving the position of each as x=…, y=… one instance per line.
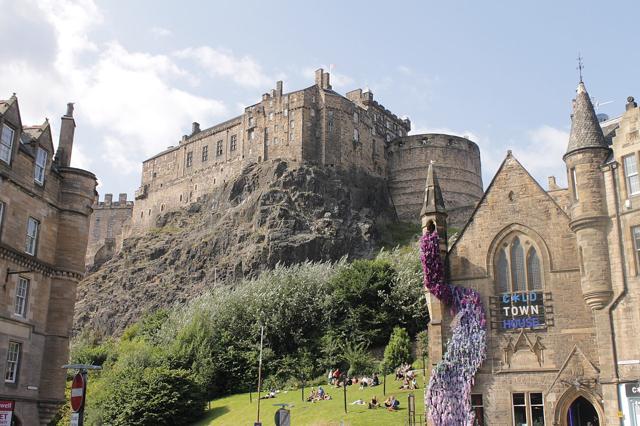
x=586, y=152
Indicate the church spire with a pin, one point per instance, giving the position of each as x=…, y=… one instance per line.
x=433, y=201
x=585, y=128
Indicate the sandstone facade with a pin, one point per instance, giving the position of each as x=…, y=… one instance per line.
x=315, y=125
x=108, y=221
x=44, y=221
x=567, y=260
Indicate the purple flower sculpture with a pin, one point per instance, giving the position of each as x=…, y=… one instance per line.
x=448, y=396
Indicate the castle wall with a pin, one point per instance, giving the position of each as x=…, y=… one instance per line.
x=457, y=165
x=314, y=125
x=107, y=223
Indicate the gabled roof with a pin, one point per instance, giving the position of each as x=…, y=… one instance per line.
x=508, y=159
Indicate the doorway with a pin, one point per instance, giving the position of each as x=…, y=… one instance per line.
x=582, y=413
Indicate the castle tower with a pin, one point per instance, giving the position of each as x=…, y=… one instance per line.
x=434, y=216
x=586, y=152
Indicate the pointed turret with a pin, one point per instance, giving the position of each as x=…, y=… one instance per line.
x=433, y=201
x=586, y=153
x=585, y=128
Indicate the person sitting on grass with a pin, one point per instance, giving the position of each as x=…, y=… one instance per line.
x=312, y=396
x=321, y=392
x=392, y=403
x=405, y=384
x=374, y=403
x=414, y=384
x=376, y=380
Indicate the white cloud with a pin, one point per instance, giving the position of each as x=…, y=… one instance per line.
x=160, y=32
x=244, y=70
x=542, y=155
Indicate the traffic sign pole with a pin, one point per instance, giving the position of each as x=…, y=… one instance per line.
x=79, y=391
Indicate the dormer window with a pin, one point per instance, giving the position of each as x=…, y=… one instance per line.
x=41, y=164
x=6, y=143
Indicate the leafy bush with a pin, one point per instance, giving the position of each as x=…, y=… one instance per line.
x=150, y=396
x=398, y=351
x=359, y=359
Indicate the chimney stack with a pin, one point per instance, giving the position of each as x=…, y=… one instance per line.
x=326, y=82
x=108, y=199
x=122, y=199
x=195, y=128
x=67, y=130
x=319, y=73
x=552, y=183
x=279, y=88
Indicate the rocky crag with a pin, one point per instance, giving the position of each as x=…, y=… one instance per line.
x=271, y=213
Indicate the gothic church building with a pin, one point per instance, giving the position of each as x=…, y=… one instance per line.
x=559, y=275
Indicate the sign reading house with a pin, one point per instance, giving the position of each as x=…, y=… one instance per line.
x=522, y=310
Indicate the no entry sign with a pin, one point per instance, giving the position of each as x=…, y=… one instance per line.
x=77, y=392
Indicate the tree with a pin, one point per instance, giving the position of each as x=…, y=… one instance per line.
x=398, y=351
x=422, y=340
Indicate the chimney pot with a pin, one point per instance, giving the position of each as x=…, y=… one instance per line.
x=195, y=128
x=108, y=199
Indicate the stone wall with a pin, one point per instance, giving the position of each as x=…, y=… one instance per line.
x=108, y=220
x=61, y=203
x=457, y=165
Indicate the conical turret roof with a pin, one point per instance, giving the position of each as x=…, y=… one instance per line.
x=433, y=201
x=585, y=128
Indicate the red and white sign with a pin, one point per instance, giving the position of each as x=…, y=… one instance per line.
x=6, y=412
x=77, y=392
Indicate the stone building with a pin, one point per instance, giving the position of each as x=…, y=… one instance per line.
x=558, y=272
x=44, y=221
x=108, y=221
x=313, y=125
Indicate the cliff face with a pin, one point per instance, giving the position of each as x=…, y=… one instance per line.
x=270, y=213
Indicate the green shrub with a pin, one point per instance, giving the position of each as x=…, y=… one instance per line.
x=398, y=351
x=359, y=359
x=149, y=396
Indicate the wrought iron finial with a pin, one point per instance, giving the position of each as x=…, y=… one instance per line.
x=580, y=66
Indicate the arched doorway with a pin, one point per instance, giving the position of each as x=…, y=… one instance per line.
x=582, y=413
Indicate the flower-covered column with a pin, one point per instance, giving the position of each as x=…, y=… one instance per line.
x=448, y=397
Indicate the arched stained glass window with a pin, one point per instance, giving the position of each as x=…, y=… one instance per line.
x=502, y=272
x=517, y=266
x=533, y=270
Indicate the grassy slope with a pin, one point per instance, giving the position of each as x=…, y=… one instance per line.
x=236, y=410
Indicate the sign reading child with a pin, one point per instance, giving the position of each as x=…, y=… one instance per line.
x=522, y=310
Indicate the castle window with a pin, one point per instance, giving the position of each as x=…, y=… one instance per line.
x=313, y=112
x=517, y=266
x=22, y=292
x=219, y=148
x=251, y=135
x=330, y=121
x=631, y=174
x=275, y=141
x=251, y=122
x=13, y=362
x=285, y=112
x=6, y=143
x=233, y=143
x=355, y=116
x=528, y=408
x=41, y=162
x=189, y=158
x=574, y=184
x=356, y=135
x=291, y=137
x=205, y=153
x=32, y=236
x=270, y=116
x=292, y=124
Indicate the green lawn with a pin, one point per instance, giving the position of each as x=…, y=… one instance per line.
x=236, y=410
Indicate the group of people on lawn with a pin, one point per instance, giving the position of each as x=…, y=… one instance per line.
x=408, y=377
x=337, y=378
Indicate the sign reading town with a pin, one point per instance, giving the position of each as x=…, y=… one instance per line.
x=522, y=310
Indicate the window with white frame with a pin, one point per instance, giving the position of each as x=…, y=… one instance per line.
x=13, y=362
x=41, y=163
x=32, y=236
x=528, y=409
x=635, y=231
x=631, y=174
x=6, y=143
x=22, y=294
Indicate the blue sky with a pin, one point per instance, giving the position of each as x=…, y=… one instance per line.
x=503, y=73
